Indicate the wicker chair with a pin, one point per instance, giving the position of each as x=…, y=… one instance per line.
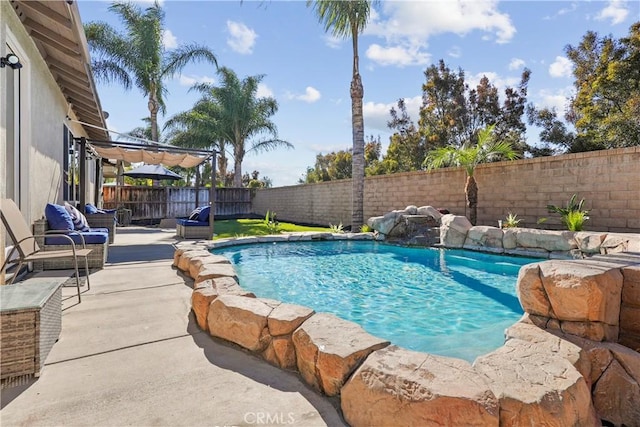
x=103, y=220
x=26, y=247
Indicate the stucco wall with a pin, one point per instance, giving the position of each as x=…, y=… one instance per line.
x=609, y=181
x=43, y=111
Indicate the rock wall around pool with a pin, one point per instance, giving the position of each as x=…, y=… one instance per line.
x=457, y=232
x=571, y=360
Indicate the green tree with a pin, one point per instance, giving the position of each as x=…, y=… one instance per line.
x=138, y=57
x=469, y=156
x=347, y=19
x=243, y=120
x=338, y=164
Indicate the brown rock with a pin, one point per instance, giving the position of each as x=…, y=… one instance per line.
x=398, y=387
x=229, y=286
x=212, y=271
x=531, y=293
x=281, y=352
x=595, y=331
x=536, y=388
x=201, y=299
x=187, y=255
x=579, y=291
x=286, y=318
x=196, y=263
x=240, y=320
x=631, y=285
x=329, y=349
x=630, y=319
x=616, y=396
x=545, y=239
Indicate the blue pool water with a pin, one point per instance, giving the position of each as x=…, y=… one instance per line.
x=449, y=302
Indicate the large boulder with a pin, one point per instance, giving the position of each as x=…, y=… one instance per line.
x=536, y=387
x=196, y=264
x=552, y=241
x=329, y=349
x=282, y=321
x=453, y=230
x=215, y=270
x=486, y=238
x=240, y=320
x=184, y=259
x=430, y=211
x=589, y=242
x=398, y=387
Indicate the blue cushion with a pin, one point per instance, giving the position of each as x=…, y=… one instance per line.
x=192, y=223
x=58, y=217
x=204, y=214
x=90, y=238
x=90, y=209
x=79, y=220
x=99, y=230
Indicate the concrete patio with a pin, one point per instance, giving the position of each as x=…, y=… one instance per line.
x=132, y=354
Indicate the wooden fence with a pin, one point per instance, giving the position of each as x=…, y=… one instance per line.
x=154, y=203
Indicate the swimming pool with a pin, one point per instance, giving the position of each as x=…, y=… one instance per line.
x=449, y=302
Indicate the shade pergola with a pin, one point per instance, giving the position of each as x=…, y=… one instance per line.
x=149, y=153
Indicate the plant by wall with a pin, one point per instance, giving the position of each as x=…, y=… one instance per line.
x=574, y=215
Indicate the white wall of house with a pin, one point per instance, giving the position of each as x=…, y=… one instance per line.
x=33, y=113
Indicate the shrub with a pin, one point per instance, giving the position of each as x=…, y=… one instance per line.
x=271, y=221
x=511, y=221
x=573, y=216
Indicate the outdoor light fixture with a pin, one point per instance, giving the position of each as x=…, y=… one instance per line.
x=11, y=60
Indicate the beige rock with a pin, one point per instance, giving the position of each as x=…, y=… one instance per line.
x=201, y=299
x=281, y=352
x=579, y=291
x=630, y=319
x=228, y=285
x=430, y=211
x=536, y=388
x=631, y=285
x=186, y=256
x=616, y=396
x=286, y=318
x=545, y=239
x=589, y=242
x=595, y=331
x=329, y=349
x=614, y=243
x=484, y=237
x=197, y=263
x=240, y=320
x=453, y=230
x=531, y=293
x=509, y=239
x=542, y=341
x=398, y=387
x=212, y=271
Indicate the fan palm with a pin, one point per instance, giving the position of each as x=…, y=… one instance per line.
x=347, y=19
x=469, y=156
x=242, y=118
x=138, y=56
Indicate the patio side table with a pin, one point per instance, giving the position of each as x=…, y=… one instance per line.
x=31, y=322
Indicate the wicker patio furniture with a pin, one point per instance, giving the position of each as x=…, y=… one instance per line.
x=103, y=220
x=27, y=249
x=96, y=259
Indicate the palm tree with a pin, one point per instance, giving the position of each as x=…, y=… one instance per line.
x=469, y=156
x=241, y=116
x=347, y=19
x=138, y=57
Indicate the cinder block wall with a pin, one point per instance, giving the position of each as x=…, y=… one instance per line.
x=609, y=181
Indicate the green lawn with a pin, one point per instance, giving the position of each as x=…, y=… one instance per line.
x=254, y=227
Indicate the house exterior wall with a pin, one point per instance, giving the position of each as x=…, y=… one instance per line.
x=609, y=181
x=43, y=110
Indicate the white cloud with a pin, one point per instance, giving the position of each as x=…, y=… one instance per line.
x=169, y=41
x=376, y=114
x=455, y=52
x=241, y=38
x=264, y=91
x=185, y=80
x=397, y=55
x=332, y=41
x=559, y=99
x=310, y=95
x=617, y=11
x=561, y=67
x=516, y=64
x=501, y=83
x=572, y=8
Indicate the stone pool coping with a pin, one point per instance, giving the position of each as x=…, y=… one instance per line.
x=382, y=384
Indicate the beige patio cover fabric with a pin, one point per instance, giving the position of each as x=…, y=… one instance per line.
x=149, y=157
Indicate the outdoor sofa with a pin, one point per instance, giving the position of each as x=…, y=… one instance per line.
x=196, y=226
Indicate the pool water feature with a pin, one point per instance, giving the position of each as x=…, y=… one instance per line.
x=449, y=302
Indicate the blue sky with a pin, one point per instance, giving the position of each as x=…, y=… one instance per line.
x=308, y=72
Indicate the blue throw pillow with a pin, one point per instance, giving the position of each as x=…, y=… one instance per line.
x=80, y=222
x=58, y=217
x=204, y=214
x=90, y=209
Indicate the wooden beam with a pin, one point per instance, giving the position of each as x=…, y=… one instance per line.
x=51, y=35
x=54, y=45
x=40, y=7
x=63, y=74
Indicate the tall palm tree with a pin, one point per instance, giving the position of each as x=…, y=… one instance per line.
x=241, y=116
x=469, y=156
x=138, y=56
x=347, y=19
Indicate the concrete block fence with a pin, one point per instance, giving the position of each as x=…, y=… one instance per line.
x=608, y=180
